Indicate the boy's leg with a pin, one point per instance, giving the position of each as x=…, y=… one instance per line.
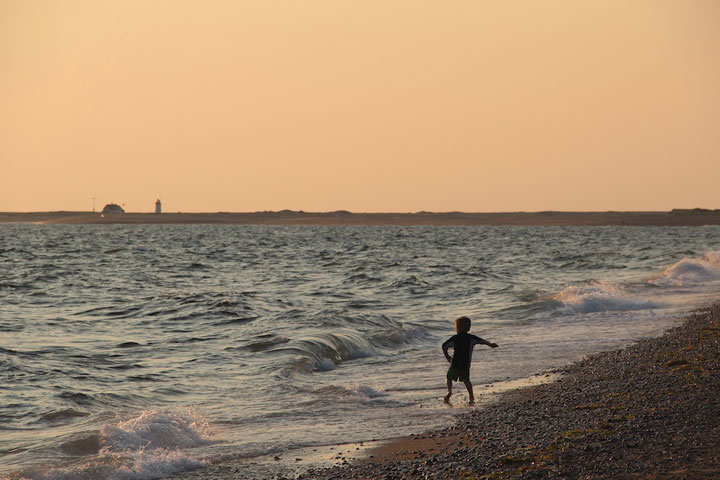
x=469, y=387
x=449, y=385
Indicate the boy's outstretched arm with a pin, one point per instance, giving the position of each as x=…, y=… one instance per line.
x=489, y=344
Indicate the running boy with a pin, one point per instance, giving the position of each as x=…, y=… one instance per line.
x=462, y=345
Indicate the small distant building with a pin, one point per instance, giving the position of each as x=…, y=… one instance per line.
x=158, y=206
x=112, y=208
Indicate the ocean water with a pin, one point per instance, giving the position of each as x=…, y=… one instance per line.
x=138, y=352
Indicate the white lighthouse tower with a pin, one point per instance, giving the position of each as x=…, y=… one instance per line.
x=158, y=206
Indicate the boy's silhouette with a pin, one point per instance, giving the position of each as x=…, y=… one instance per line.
x=462, y=345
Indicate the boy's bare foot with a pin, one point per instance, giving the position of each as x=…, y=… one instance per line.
x=471, y=402
x=447, y=398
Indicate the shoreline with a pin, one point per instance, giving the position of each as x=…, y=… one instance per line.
x=288, y=217
x=650, y=410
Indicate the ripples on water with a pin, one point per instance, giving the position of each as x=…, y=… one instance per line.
x=140, y=351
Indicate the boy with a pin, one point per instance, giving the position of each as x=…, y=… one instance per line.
x=462, y=345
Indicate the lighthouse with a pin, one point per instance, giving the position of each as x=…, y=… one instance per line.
x=158, y=206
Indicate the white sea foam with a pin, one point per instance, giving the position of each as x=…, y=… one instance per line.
x=158, y=465
x=690, y=271
x=367, y=391
x=157, y=428
x=599, y=297
x=140, y=465
x=152, y=445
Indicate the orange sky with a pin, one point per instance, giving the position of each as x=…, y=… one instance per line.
x=371, y=105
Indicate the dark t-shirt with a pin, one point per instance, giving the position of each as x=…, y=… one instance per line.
x=462, y=345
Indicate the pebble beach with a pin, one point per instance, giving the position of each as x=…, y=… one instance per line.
x=651, y=410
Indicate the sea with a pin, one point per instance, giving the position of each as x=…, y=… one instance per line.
x=140, y=352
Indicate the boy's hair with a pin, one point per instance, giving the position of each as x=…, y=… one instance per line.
x=462, y=324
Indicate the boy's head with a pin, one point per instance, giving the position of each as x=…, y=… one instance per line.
x=462, y=325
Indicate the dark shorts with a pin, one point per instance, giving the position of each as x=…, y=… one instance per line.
x=458, y=374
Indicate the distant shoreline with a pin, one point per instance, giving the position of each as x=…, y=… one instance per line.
x=696, y=217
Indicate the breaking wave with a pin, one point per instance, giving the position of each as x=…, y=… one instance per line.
x=690, y=271
x=152, y=445
x=325, y=351
x=139, y=466
x=154, y=429
x=599, y=297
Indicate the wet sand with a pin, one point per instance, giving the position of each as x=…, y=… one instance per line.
x=648, y=411
x=289, y=217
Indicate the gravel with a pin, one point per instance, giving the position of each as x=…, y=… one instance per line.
x=648, y=411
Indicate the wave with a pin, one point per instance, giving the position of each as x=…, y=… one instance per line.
x=362, y=278
x=140, y=466
x=370, y=395
x=392, y=337
x=367, y=391
x=328, y=350
x=322, y=352
x=77, y=398
x=409, y=282
x=112, y=311
x=64, y=414
x=152, y=445
x=599, y=297
x=262, y=343
x=690, y=271
x=157, y=428
x=83, y=445
x=358, y=391
x=236, y=321
x=198, y=266
x=604, y=297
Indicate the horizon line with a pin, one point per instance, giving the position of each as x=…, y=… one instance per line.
x=348, y=212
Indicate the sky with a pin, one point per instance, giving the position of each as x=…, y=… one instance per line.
x=366, y=105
